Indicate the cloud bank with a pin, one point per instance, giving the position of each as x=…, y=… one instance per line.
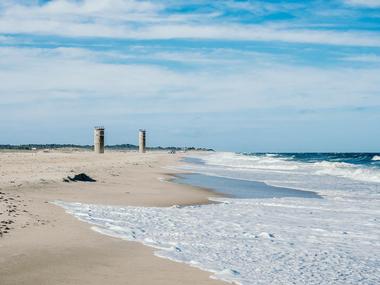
x=193, y=72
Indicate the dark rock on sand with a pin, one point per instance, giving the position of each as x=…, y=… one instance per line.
x=82, y=177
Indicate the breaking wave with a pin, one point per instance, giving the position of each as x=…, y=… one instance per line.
x=288, y=164
x=352, y=175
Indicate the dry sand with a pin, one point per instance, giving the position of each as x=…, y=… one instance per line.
x=41, y=244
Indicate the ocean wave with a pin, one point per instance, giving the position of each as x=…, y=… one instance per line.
x=335, y=168
x=350, y=171
x=266, y=162
x=271, y=154
x=376, y=158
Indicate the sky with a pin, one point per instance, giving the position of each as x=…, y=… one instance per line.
x=247, y=76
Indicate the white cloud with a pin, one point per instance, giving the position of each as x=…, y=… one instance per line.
x=365, y=58
x=364, y=3
x=146, y=20
x=260, y=8
x=261, y=33
x=70, y=76
x=3, y=39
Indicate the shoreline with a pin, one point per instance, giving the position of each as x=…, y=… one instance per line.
x=209, y=190
x=45, y=245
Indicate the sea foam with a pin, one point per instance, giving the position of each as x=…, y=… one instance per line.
x=257, y=241
x=376, y=158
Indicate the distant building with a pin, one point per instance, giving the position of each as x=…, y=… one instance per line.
x=142, y=141
x=99, y=139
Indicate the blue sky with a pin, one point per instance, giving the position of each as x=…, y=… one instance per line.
x=231, y=75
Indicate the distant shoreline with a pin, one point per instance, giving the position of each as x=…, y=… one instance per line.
x=88, y=147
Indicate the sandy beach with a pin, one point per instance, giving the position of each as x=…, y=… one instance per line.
x=189, y=142
x=41, y=244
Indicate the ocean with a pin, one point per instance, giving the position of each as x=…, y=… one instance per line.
x=311, y=218
x=320, y=172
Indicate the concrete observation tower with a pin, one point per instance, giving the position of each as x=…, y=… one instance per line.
x=99, y=139
x=142, y=141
